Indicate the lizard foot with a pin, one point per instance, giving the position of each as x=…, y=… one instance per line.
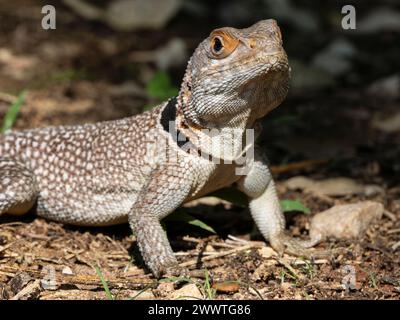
x=285, y=243
x=174, y=270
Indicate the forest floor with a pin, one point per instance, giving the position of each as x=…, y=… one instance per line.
x=88, y=74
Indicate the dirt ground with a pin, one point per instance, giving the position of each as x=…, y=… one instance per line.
x=84, y=72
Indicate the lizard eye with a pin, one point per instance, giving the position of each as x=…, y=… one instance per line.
x=217, y=45
x=222, y=44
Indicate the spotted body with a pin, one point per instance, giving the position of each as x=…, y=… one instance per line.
x=140, y=169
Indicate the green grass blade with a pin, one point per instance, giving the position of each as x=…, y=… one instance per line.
x=210, y=292
x=202, y=225
x=12, y=112
x=185, y=217
x=104, y=283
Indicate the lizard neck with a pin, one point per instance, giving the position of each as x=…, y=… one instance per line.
x=227, y=141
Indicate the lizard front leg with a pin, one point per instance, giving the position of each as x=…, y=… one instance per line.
x=266, y=210
x=166, y=189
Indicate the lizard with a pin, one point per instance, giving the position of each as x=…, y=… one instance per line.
x=139, y=169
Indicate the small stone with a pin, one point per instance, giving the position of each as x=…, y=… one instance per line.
x=387, y=88
x=226, y=287
x=187, y=292
x=347, y=221
x=286, y=286
x=145, y=295
x=334, y=187
x=266, y=252
x=67, y=271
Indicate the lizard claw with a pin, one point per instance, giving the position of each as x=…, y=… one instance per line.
x=284, y=243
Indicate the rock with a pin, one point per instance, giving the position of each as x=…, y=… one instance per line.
x=187, y=292
x=286, y=286
x=84, y=9
x=387, y=88
x=67, y=271
x=143, y=295
x=388, y=124
x=267, y=252
x=335, y=58
x=380, y=20
x=128, y=15
x=339, y=186
x=172, y=54
x=347, y=221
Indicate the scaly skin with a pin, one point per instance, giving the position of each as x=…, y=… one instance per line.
x=115, y=172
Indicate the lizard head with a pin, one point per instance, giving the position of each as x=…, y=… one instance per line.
x=235, y=74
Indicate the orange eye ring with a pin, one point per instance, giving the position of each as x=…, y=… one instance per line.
x=222, y=44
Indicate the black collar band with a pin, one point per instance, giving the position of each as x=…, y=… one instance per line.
x=168, y=116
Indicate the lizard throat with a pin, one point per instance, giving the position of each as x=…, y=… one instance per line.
x=225, y=144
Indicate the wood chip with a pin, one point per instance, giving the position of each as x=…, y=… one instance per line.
x=27, y=290
x=226, y=287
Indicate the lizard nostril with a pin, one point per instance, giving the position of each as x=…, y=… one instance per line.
x=252, y=43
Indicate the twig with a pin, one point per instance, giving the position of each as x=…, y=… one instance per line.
x=320, y=196
x=8, y=274
x=36, y=236
x=286, y=264
x=235, y=239
x=391, y=231
x=223, y=245
x=301, y=262
x=389, y=215
x=205, y=253
x=7, y=97
x=120, y=283
x=220, y=254
x=191, y=239
x=306, y=164
x=6, y=247
x=395, y=246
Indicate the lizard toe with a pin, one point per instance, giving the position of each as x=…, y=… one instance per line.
x=175, y=270
x=284, y=243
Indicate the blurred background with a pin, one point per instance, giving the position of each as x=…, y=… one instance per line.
x=113, y=58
